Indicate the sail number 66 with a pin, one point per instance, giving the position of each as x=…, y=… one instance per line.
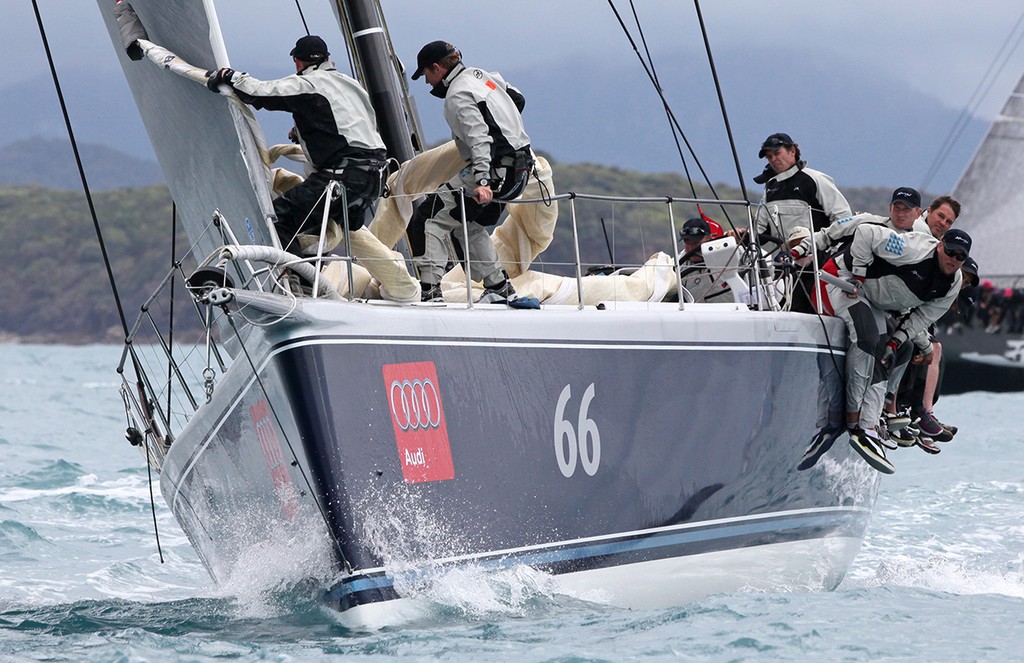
x=583, y=442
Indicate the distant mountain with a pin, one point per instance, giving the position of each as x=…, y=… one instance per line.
x=57, y=289
x=51, y=163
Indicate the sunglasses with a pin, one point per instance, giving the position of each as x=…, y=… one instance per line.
x=959, y=256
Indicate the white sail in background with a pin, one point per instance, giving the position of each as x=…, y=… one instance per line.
x=992, y=194
x=208, y=145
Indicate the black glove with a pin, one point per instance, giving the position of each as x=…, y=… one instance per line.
x=218, y=78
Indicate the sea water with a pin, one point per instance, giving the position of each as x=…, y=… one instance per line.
x=940, y=576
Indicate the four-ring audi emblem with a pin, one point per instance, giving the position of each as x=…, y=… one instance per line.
x=415, y=401
x=415, y=404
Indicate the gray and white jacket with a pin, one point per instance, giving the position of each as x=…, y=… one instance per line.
x=829, y=238
x=902, y=275
x=800, y=196
x=485, y=122
x=332, y=112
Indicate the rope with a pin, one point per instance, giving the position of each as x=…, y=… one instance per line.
x=149, y=469
x=81, y=170
x=170, y=315
x=668, y=110
x=972, y=104
x=302, y=16
x=721, y=99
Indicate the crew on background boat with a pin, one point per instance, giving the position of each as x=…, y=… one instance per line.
x=910, y=272
x=695, y=276
x=484, y=114
x=337, y=129
x=793, y=192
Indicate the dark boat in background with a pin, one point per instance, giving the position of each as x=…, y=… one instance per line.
x=646, y=451
x=991, y=191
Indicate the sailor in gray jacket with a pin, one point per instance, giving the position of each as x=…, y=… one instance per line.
x=795, y=191
x=904, y=216
x=911, y=275
x=337, y=128
x=483, y=112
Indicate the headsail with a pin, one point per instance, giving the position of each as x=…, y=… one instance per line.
x=992, y=193
x=209, y=148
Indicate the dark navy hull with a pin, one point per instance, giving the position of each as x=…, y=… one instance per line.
x=577, y=454
x=976, y=361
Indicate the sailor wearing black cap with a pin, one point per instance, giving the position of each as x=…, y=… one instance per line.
x=794, y=189
x=337, y=130
x=694, y=275
x=912, y=275
x=484, y=114
x=904, y=216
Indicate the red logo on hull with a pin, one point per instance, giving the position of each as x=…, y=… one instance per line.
x=417, y=415
x=267, y=435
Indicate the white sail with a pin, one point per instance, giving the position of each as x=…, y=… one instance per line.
x=992, y=194
x=209, y=146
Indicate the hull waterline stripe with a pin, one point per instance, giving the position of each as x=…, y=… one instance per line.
x=707, y=532
x=794, y=514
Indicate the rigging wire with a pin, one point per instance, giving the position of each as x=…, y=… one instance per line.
x=302, y=16
x=99, y=238
x=721, y=99
x=967, y=112
x=668, y=109
x=657, y=82
x=170, y=315
x=81, y=170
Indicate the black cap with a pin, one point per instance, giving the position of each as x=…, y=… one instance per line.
x=957, y=239
x=970, y=269
x=430, y=54
x=310, y=49
x=774, y=142
x=695, y=228
x=909, y=197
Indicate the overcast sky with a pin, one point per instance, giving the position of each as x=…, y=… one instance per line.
x=938, y=47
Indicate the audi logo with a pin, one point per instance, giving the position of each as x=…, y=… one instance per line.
x=415, y=404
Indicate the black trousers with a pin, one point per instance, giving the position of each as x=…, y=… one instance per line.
x=300, y=210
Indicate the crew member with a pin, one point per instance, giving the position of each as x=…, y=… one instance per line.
x=790, y=195
x=911, y=272
x=484, y=114
x=337, y=129
x=694, y=275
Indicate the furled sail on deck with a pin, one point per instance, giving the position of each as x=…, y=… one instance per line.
x=208, y=147
x=992, y=193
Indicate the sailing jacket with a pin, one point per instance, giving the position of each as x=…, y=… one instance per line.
x=795, y=191
x=902, y=275
x=832, y=237
x=332, y=112
x=485, y=121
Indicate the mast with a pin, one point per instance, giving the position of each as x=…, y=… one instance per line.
x=364, y=26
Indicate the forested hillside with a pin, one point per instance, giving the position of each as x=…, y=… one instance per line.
x=55, y=287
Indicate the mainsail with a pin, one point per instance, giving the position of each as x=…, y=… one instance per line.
x=992, y=194
x=208, y=147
